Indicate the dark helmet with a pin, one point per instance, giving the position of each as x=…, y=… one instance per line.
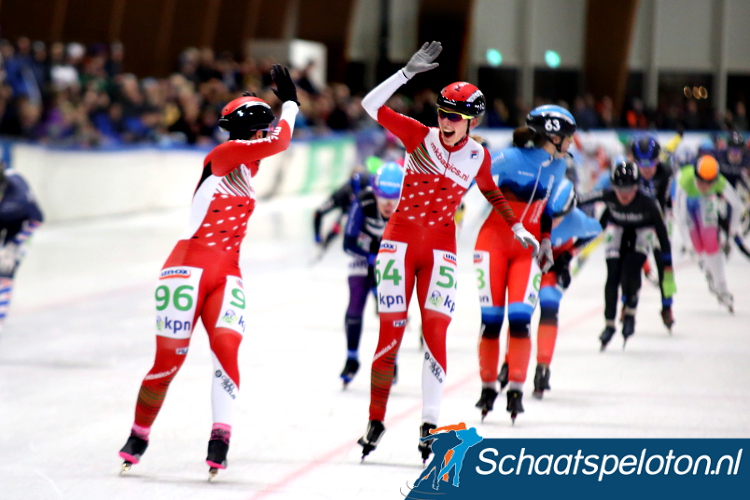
x=624, y=173
x=736, y=140
x=244, y=115
x=463, y=98
x=551, y=120
x=645, y=150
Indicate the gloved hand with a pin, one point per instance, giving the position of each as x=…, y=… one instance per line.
x=561, y=267
x=371, y=259
x=8, y=258
x=285, y=89
x=668, y=286
x=545, y=257
x=525, y=238
x=422, y=60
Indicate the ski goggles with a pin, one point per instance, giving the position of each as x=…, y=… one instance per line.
x=452, y=115
x=647, y=163
x=625, y=189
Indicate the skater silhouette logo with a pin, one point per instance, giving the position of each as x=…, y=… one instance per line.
x=449, y=446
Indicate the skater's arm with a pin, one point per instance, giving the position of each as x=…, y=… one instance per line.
x=492, y=193
x=738, y=208
x=353, y=229
x=231, y=154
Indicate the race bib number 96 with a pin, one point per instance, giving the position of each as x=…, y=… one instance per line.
x=176, y=297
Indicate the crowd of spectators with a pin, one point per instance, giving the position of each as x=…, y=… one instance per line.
x=69, y=94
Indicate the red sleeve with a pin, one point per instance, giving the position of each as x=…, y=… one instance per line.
x=409, y=130
x=227, y=156
x=489, y=189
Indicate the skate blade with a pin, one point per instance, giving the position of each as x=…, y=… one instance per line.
x=212, y=472
x=513, y=416
x=538, y=394
x=126, y=466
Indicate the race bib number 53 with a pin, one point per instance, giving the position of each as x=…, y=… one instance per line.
x=176, y=297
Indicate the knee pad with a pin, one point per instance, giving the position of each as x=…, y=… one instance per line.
x=519, y=320
x=492, y=322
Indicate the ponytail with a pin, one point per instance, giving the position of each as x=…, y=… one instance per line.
x=523, y=135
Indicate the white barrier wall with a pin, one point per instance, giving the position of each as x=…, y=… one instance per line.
x=74, y=185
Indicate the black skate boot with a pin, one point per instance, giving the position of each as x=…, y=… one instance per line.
x=503, y=376
x=131, y=453
x=350, y=370
x=541, y=380
x=667, y=317
x=515, y=404
x=425, y=447
x=486, y=401
x=606, y=336
x=370, y=440
x=217, y=457
x=628, y=328
x=395, y=374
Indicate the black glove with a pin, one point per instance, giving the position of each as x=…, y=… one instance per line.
x=561, y=267
x=285, y=89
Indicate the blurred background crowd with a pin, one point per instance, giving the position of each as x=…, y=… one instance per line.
x=76, y=95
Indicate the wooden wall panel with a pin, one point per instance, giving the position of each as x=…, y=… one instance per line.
x=327, y=21
x=25, y=18
x=609, y=30
x=87, y=21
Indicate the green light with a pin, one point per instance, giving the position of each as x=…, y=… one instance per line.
x=552, y=58
x=494, y=57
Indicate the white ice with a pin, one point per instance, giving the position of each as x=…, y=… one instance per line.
x=80, y=338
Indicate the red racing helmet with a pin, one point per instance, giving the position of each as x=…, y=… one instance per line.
x=246, y=114
x=462, y=98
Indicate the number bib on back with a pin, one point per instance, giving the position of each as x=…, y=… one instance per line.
x=176, y=298
x=441, y=295
x=482, y=268
x=390, y=276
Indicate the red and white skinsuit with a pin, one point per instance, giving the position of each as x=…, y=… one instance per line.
x=202, y=278
x=419, y=243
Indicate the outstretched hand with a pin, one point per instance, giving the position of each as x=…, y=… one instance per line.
x=423, y=59
x=285, y=89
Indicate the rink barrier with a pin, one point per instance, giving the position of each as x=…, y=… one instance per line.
x=72, y=184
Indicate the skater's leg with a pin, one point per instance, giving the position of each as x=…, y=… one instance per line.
x=396, y=271
x=492, y=269
x=523, y=279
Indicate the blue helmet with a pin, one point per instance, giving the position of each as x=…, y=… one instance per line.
x=706, y=147
x=645, y=151
x=551, y=120
x=387, y=183
x=563, y=200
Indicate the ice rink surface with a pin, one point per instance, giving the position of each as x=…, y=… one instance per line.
x=80, y=338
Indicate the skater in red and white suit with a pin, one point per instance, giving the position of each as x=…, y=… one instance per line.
x=201, y=277
x=419, y=242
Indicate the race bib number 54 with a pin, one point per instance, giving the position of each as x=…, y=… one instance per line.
x=176, y=297
x=390, y=276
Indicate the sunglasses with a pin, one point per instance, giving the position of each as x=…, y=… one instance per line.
x=451, y=116
x=647, y=163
